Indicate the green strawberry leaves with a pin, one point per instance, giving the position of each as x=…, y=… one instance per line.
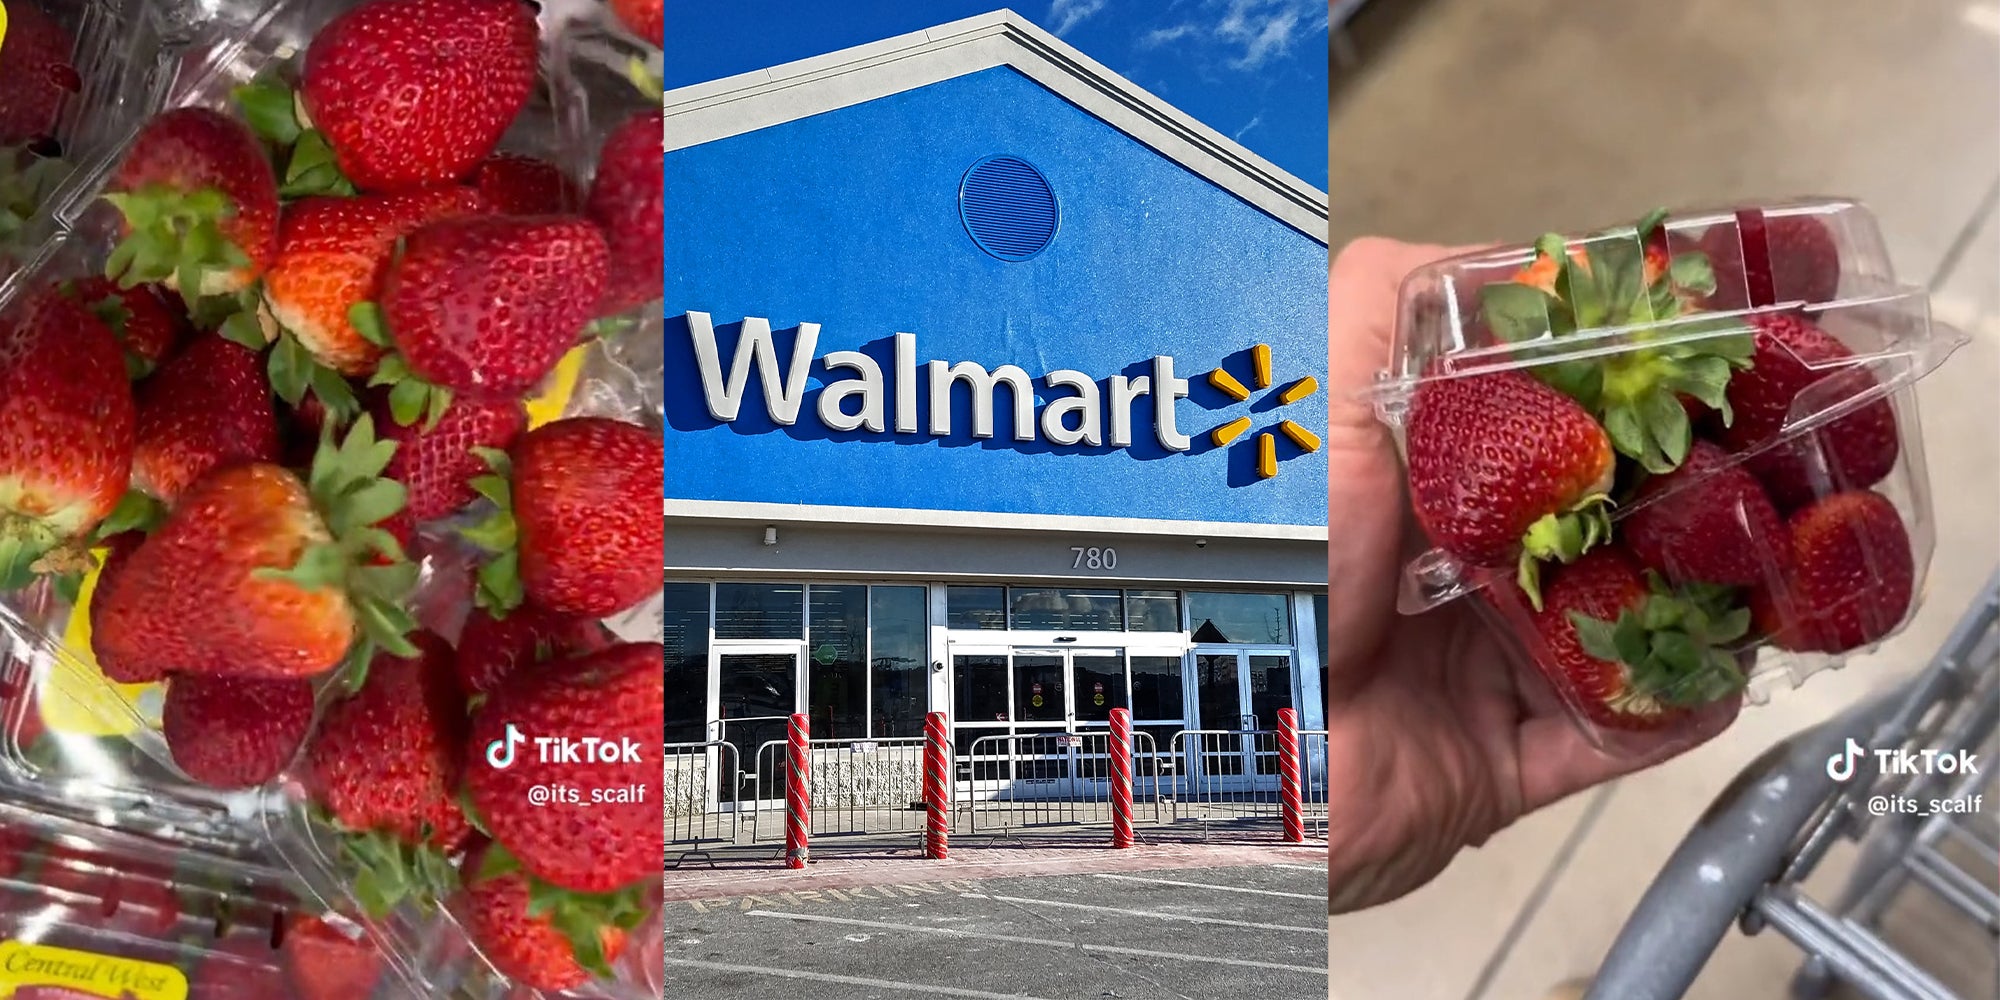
x=136, y=511
x=176, y=236
x=498, y=581
x=268, y=107
x=1674, y=646
x=410, y=398
x=1561, y=538
x=389, y=872
x=274, y=112
x=23, y=190
x=294, y=371
x=24, y=541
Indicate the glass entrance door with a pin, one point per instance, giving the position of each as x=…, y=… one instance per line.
x=1238, y=693
x=1023, y=714
x=757, y=688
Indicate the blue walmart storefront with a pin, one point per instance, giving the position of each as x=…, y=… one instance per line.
x=994, y=387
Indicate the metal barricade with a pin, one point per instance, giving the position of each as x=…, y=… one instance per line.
x=1313, y=767
x=1017, y=781
x=1229, y=775
x=698, y=781
x=859, y=787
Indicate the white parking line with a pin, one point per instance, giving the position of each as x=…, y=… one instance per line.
x=880, y=984
x=1302, y=868
x=1039, y=942
x=1218, y=888
x=1144, y=913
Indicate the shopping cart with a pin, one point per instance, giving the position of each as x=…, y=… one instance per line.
x=1746, y=859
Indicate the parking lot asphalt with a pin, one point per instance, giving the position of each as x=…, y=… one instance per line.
x=1184, y=933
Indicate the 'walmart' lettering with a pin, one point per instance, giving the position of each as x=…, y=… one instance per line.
x=1082, y=418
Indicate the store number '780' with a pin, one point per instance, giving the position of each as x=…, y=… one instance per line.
x=1092, y=557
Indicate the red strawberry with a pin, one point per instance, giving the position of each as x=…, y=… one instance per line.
x=485, y=307
x=416, y=92
x=120, y=548
x=325, y=962
x=1502, y=465
x=235, y=732
x=1767, y=259
x=437, y=464
x=35, y=74
x=523, y=185
x=645, y=18
x=240, y=967
x=527, y=946
x=491, y=649
x=386, y=758
x=208, y=407
x=140, y=316
x=1631, y=657
x=65, y=428
x=129, y=894
x=1706, y=522
x=1854, y=574
x=200, y=205
x=254, y=574
x=626, y=201
x=332, y=256
x=583, y=518
x=613, y=695
x=1793, y=356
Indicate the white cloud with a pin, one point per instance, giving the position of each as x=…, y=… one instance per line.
x=1161, y=36
x=1255, y=120
x=1067, y=14
x=1263, y=28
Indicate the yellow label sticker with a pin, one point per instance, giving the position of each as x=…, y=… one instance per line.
x=79, y=699
x=3, y=22
x=41, y=972
x=550, y=403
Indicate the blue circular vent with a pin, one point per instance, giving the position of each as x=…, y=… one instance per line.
x=1008, y=207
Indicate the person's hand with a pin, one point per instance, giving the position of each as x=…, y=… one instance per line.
x=1440, y=735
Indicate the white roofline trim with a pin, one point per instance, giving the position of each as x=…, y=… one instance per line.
x=719, y=109
x=714, y=510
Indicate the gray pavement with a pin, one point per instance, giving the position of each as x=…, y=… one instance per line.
x=1184, y=933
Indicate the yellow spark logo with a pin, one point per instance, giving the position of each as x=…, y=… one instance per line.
x=1267, y=442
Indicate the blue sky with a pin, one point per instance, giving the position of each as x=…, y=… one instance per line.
x=1255, y=70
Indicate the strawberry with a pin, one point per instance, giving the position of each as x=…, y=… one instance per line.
x=491, y=649
x=1620, y=281
x=1793, y=357
x=328, y=961
x=235, y=732
x=66, y=421
x=384, y=764
x=578, y=529
x=626, y=201
x=485, y=307
x=240, y=967
x=645, y=18
x=332, y=256
x=1764, y=260
x=200, y=205
x=523, y=185
x=1505, y=467
x=410, y=93
x=1634, y=656
x=438, y=463
x=613, y=695
x=208, y=407
x=1706, y=522
x=257, y=574
x=141, y=317
x=1853, y=575
x=119, y=555
x=547, y=949
x=35, y=74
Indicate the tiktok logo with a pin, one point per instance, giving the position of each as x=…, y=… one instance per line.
x=500, y=752
x=1840, y=766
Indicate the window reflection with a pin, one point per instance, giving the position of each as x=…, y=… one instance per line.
x=1240, y=618
x=759, y=611
x=1066, y=609
x=896, y=624
x=686, y=662
x=837, y=661
x=976, y=607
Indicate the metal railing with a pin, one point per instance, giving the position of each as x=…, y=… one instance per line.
x=699, y=778
x=1014, y=781
x=872, y=787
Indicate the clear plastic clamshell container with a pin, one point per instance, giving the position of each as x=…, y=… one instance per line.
x=1678, y=461
x=82, y=754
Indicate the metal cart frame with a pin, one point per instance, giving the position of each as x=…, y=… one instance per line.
x=1745, y=859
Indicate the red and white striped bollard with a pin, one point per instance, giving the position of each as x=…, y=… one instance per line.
x=1121, y=778
x=1288, y=776
x=798, y=791
x=937, y=786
